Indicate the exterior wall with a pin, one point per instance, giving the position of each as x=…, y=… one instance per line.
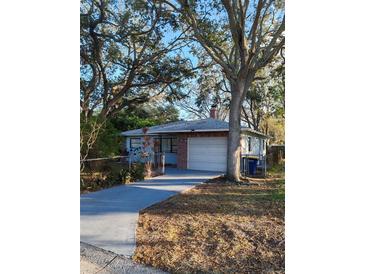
x=257, y=147
x=182, y=152
x=182, y=144
x=170, y=158
x=180, y=158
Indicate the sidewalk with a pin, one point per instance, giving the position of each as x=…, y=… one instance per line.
x=96, y=260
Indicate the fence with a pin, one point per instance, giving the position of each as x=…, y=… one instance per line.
x=100, y=173
x=97, y=163
x=158, y=162
x=276, y=154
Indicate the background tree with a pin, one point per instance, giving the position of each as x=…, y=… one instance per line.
x=242, y=36
x=89, y=133
x=266, y=97
x=127, y=58
x=107, y=142
x=146, y=115
x=208, y=88
x=263, y=108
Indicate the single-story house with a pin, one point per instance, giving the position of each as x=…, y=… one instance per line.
x=198, y=144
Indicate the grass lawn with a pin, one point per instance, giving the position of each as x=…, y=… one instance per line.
x=216, y=227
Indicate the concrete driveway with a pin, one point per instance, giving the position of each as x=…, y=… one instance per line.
x=108, y=218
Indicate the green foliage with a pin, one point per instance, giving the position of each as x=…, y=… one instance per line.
x=135, y=173
x=90, y=128
x=145, y=116
x=277, y=170
x=263, y=108
x=278, y=195
x=101, y=174
x=108, y=140
x=108, y=143
x=108, y=173
x=125, y=175
x=104, y=136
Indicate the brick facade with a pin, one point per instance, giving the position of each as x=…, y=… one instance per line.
x=182, y=152
x=182, y=144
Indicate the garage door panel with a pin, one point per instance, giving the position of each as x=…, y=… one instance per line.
x=213, y=161
x=209, y=157
x=207, y=153
x=210, y=153
x=209, y=167
x=210, y=146
x=207, y=140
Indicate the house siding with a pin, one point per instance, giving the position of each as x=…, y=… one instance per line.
x=257, y=147
x=182, y=144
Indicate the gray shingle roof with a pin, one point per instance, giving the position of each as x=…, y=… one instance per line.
x=186, y=126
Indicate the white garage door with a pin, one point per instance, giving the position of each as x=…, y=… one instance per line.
x=207, y=153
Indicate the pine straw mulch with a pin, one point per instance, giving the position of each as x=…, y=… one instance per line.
x=216, y=227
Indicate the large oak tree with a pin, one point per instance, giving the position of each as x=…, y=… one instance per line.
x=242, y=36
x=128, y=55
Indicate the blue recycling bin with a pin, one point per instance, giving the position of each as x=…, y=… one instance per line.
x=252, y=166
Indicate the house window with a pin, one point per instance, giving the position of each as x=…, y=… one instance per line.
x=134, y=143
x=168, y=145
x=174, y=145
x=249, y=144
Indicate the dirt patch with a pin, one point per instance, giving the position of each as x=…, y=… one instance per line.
x=216, y=227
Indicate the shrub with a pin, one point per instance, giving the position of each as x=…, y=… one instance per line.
x=111, y=174
x=93, y=181
x=125, y=175
x=276, y=170
x=137, y=172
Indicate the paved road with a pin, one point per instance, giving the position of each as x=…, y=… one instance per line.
x=108, y=218
x=97, y=260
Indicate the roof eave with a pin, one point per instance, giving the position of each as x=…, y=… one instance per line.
x=173, y=131
x=243, y=130
x=255, y=132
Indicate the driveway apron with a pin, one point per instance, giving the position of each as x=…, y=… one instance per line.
x=108, y=218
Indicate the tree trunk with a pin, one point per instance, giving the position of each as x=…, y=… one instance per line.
x=234, y=135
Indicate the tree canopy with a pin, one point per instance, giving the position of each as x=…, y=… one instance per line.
x=210, y=87
x=107, y=140
x=266, y=97
x=128, y=56
x=146, y=115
